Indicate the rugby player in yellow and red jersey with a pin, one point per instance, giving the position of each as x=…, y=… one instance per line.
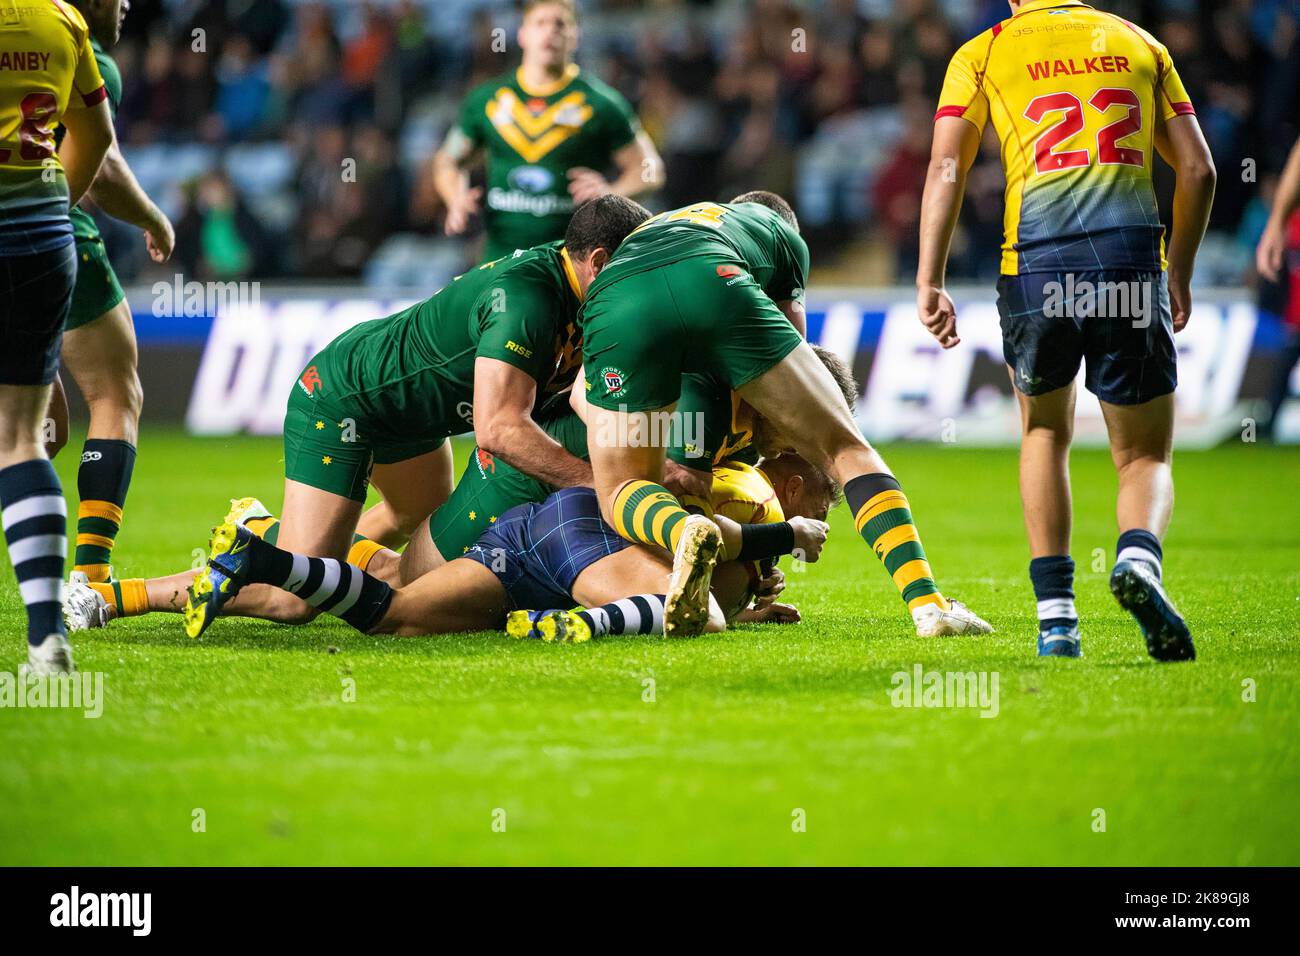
x=1079, y=98
x=48, y=75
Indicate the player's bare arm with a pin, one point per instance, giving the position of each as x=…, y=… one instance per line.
x=1272, y=244
x=956, y=143
x=117, y=192
x=90, y=135
x=503, y=426
x=451, y=180
x=1180, y=142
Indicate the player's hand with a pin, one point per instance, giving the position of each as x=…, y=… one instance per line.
x=1180, y=301
x=683, y=481
x=809, y=536
x=585, y=184
x=769, y=614
x=769, y=587
x=160, y=238
x=1269, y=252
x=937, y=313
x=461, y=209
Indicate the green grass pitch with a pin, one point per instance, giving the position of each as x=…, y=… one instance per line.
x=769, y=745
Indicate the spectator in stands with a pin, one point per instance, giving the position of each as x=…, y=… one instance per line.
x=216, y=236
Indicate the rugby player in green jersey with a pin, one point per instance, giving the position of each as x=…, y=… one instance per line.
x=99, y=346
x=547, y=131
x=378, y=403
x=717, y=287
x=723, y=430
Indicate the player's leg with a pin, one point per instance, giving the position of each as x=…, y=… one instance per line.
x=1132, y=369
x=413, y=488
x=459, y=595
x=314, y=522
x=627, y=475
x=1043, y=344
x=54, y=430
x=802, y=401
x=1141, y=441
x=636, y=346
x=1047, y=427
x=326, y=478
x=564, y=552
x=625, y=593
x=34, y=294
x=102, y=357
x=131, y=597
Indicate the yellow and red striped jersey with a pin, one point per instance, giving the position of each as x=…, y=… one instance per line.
x=1074, y=95
x=46, y=68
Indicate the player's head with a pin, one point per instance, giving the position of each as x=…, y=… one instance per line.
x=104, y=17
x=595, y=231
x=770, y=442
x=804, y=490
x=772, y=201
x=548, y=34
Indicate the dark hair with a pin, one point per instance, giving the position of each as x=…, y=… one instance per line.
x=842, y=374
x=821, y=482
x=772, y=201
x=602, y=223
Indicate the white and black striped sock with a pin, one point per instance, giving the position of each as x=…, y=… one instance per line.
x=640, y=614
x=35, y=519
x=334, y=587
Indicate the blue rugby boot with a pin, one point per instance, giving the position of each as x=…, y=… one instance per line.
x=1138, y=590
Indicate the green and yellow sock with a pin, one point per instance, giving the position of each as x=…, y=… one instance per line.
x=648, y=513
x=883, y=518
x=102, y=482
x=363, y=551
x=127, y=598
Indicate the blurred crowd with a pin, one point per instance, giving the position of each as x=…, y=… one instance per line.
x=292, y=139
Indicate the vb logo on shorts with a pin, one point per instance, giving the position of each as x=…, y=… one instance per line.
x=614, y=380
x=310, y=380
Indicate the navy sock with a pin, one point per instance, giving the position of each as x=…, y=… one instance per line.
x=1138, y=544
x=35, y=519
x=1053, y=580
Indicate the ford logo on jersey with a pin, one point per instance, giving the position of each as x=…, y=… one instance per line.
x=531, y=179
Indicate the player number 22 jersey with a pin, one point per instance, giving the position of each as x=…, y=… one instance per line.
x=1074, y=95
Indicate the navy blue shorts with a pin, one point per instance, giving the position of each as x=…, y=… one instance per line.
x=538, y=550
x=35, y=295
x=1116, y=321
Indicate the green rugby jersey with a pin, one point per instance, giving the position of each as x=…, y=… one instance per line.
x=411, y=375
x=532, y=138
x=83, y=224
x=774, y=253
